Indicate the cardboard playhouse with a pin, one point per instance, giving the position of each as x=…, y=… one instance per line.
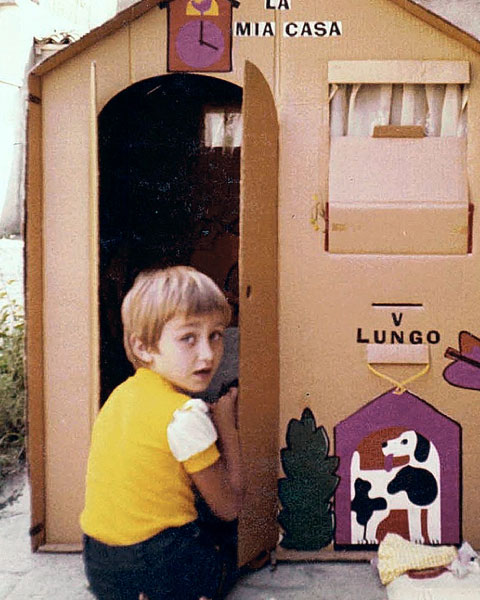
x=320, y=160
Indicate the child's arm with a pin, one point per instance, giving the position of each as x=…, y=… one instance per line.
x=221, y=484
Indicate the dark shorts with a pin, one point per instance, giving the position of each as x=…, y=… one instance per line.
x=181, y=563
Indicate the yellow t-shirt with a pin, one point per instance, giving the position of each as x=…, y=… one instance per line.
x=135, y=486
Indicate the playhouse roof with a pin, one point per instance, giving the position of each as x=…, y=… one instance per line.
x=444, y=17
x=397, y=410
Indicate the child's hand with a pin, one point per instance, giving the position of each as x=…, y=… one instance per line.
x=224, y=412
x=221, y=484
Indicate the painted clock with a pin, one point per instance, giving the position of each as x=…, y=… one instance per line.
x=200, y=35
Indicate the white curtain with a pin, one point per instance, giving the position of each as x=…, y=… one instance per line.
x=223, y=129
x=356, y=108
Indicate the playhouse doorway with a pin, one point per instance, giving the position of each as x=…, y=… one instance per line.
x=168, y=197
x=169, y=161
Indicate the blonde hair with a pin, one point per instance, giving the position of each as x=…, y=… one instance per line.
x=162, y=294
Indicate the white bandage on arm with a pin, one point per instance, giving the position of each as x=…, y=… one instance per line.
x=191, y=430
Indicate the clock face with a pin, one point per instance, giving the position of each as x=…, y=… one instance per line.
x=199, y=36
x=199, y=43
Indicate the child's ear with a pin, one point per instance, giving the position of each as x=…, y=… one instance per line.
x=140, y=350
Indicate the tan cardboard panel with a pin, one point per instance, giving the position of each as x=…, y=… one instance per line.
x=67, y=302
x=398, y=196
x=34, y=295
x=111, y=56
x=322, y=366
x=324, y=555
x=93, y=177
x=359, y=228
x=63, y=548
x=259, y=376
x=398, y=71
x=261, y=51
x=399, y=171
x=148, y=38
x=70, y=249
x=398, y=131
x=398, y=353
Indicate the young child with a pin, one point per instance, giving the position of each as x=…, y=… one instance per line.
x=152, y=444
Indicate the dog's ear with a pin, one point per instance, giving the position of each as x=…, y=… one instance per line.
x=422, y=449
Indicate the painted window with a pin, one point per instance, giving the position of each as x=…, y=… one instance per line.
x=438, y=109
x=222, y=128
x=398, y=168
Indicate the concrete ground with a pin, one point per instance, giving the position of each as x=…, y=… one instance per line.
x=27, y=576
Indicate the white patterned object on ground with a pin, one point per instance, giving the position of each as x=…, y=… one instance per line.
x=443, y=587
x=397, y=556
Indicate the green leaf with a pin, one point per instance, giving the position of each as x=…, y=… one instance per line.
x=306, y=492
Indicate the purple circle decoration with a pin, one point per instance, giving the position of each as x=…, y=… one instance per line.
x=200, y=44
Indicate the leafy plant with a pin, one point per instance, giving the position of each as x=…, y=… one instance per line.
x=306, y=492
x=12, y=382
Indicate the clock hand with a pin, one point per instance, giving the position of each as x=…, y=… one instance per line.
x=209, y=45
x=201, y=33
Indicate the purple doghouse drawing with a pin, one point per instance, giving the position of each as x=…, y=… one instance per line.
x=399, y=472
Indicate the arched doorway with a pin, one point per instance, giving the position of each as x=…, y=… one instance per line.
x=169, y=193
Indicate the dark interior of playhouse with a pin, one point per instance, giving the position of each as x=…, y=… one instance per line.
x=169, y=155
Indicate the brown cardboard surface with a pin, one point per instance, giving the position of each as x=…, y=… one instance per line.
x=67, y=346
x=258, y=408
x=33, y=311
x=111, y=56
x=146, y=40
x=398, y=131
x=322, y=365
x=398, y=171
x=70, y=353
x=399, y=228
x=398, y=71
x=93, y=225
x=412, y=198
x=68, y=241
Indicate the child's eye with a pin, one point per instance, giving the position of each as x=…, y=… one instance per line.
x=216, y=335
x=188, y=339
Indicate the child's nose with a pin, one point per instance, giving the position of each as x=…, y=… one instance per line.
x=205, y=350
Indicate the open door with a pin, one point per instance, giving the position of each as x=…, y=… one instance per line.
x=259, y=351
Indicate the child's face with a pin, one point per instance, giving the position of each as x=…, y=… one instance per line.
x=189, y=351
